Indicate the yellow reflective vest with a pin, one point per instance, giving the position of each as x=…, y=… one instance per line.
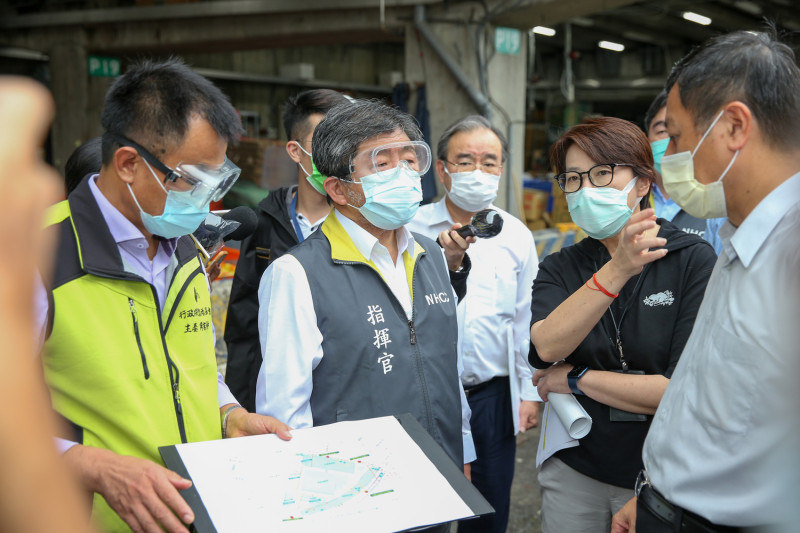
x=128, y=375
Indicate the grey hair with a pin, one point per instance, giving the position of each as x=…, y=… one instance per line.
x=469, y=123
x=347, y=125
x=754, y=68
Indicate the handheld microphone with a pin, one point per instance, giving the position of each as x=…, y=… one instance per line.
x=233, y=225
x=485, y=224
x=248, y=222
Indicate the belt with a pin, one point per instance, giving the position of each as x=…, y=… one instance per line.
x=472, y=389
x=673, y=515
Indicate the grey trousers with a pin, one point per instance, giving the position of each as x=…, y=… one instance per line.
x=574, y=503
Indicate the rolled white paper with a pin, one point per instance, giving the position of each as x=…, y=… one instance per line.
x=571, y=413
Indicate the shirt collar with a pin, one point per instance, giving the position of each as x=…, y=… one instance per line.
x=122, y=230
x=749, y=237
x=658, y=194
x=439, y=213
x=365, y=242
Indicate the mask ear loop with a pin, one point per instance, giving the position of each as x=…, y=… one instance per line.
x=152, y=172
x=711, y=127
x=729, y=165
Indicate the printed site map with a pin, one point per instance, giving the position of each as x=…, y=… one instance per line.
x=366, y=475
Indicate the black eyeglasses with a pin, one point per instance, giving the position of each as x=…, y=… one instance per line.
x=600, y=176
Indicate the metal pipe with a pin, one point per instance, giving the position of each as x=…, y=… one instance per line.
x=478, y=98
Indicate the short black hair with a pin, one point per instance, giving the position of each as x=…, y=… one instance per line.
x=85, y=159
x=348, y=125
x=299, y=107
x=469, y=123
x=754, y=68
x=153, y=102
x=657, y=105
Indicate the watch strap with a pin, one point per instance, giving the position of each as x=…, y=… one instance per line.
x=572, y=379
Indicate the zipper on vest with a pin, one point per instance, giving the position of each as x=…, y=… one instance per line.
x=174, y=373
x=138, y=338
x=425, y=395
x=175, y=378
x=411, y=330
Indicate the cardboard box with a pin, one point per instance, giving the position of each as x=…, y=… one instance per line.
x=535, y=203
x=249, y=155
x=560, y=211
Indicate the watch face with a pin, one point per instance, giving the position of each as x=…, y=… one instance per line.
x=577, y=371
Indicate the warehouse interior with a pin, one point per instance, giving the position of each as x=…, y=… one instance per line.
x=532, y=66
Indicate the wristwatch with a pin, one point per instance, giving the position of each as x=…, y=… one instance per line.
x=573, y=376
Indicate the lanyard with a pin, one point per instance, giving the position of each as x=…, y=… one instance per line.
x=618, y=325
x=295, y=223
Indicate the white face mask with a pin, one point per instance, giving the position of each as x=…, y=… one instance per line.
x=697, y=199
x=472, y=191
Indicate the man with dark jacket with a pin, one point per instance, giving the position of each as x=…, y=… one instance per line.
x=285, y=217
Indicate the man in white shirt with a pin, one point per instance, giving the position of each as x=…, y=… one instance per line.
x=494, y=317
x=720, y=454
x=359, y=320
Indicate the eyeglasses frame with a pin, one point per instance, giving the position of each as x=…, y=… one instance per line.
x=589, y=176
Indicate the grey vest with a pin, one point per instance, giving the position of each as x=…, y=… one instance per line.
x=376, y=362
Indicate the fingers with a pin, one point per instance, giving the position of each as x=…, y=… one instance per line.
x=177, y=481
x=240, y=425
x=170, y=505
x=460, y=241
x=279, y=428
x=638, y=228
x=644, y=214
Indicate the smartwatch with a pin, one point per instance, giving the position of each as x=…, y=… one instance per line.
x=573, y=376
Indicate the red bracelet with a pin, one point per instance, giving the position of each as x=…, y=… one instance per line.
x=600, y=288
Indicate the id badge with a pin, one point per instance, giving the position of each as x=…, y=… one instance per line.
x=618, y=415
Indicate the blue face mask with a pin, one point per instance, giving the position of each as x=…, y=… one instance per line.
x=179, y=218
x=600, y=212
x=659, y=148
x=391, y=201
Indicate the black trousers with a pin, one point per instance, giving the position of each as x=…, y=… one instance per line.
x=492, y=426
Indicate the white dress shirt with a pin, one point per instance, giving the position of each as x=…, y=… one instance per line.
x=494, y=318
x=291, y=342
x=306, y=227
x=721, y=438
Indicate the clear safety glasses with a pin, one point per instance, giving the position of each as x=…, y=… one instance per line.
x=384, y=159
x=201, y=183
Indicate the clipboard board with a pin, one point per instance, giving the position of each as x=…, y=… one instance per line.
x=452, y=473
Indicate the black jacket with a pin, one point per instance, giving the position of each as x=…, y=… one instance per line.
x=273, y=237
x=655, y=313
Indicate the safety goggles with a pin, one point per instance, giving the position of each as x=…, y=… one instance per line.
x=201, y=183
x=384, y=159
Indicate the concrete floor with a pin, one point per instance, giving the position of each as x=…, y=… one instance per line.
x=526, y=501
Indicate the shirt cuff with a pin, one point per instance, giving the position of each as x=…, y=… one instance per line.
x=64, y=445
x=529, y=393
x=224, y=394
x=469, y=447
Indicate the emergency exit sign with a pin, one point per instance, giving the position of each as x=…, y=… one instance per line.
x=507, y=40
x=104, y=66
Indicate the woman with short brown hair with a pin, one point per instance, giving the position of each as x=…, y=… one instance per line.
x=611, y=315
